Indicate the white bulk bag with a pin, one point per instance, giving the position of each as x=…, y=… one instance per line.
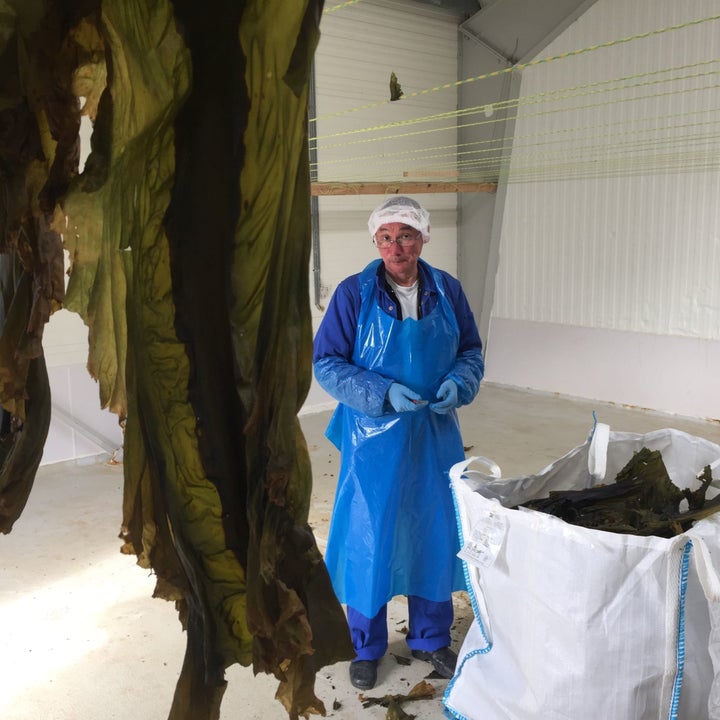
x=579, y=624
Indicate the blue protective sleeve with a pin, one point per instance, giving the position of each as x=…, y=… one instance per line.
x=360, y=389
x=467, y=373
x=336, y=334
x=353, y=386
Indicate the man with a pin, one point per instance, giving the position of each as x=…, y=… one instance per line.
x=399, y=349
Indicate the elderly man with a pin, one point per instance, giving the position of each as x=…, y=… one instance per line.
x=399, y=349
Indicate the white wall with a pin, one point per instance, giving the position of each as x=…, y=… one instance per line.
x=78, y=428
x=361, y=134
x=607, y=286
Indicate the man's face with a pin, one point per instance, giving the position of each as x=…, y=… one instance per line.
x=399, y=246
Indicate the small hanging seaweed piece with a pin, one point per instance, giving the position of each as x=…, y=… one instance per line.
x=642, y=501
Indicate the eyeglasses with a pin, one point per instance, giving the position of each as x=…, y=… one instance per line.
x=405, y=239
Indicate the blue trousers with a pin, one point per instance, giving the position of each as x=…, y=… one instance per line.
x=429, y=628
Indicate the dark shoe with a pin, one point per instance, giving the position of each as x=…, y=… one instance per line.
x=443, y=660
x=363, y=674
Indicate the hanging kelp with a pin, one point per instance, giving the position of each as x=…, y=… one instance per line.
x=39, y=148
x=643, y=500
x=189, y=236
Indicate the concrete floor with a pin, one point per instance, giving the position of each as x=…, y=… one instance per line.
x=82, y=638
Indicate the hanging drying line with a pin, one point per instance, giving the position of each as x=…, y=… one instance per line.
x=524, y=116
x=684, y=152
x=526, y=145
x=523, y=66
x=525, y=149
x=601, y=86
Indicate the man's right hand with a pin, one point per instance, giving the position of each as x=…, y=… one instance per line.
x=403, y=399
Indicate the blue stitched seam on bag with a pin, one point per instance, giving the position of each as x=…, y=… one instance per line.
x=449, y=712
x=682, y=587
x=466, y=573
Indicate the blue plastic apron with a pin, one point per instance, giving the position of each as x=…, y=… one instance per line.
x=393, y=530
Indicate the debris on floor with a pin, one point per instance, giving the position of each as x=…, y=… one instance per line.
x=422, y=691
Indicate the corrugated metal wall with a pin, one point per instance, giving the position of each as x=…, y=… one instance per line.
x=360, y=46
x=637, y=248
x=612, y=219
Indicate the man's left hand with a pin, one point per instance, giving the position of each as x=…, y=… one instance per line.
x=447, y=398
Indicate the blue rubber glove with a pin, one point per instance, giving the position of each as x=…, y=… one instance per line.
x=447, y=396
x=401, y=398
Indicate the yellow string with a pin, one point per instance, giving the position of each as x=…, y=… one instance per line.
x=587, y=152
x=682, y=152
x=340, y=6
x=682, y=149
x=523, y=66
x=613, y=161
x=522, y=153
x=576, y=91
x=624, y=166
x=524, y=116
x=567, y=153
x=518, y=140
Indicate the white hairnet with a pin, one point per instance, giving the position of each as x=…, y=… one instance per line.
x=404, y=210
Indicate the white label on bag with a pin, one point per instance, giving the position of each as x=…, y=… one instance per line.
x=485, y=541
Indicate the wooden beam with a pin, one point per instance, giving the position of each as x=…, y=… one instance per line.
x=400, y=188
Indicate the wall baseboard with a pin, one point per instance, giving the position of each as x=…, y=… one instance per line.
x=657, y=372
